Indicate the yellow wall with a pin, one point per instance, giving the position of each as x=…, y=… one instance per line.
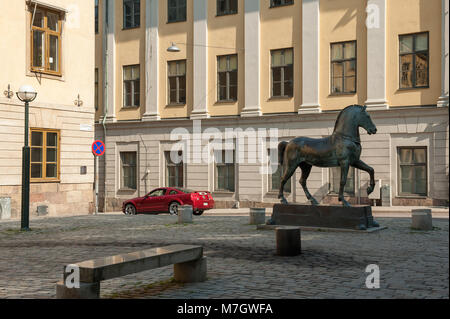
x=342, y=21
x=280, y=28
x=179, y=33
x=411, y=16
x=225, y=36
x=130, y=50
x=99, y=60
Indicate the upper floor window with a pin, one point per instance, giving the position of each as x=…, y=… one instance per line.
x=44, y=155
x=176, y=10
x=414, y=58
x=131, y=14
x=131, y=86
x=96, y=16
x=46, y=29
x=412, y=171
x=343, y=67
x=227, y=76
x=277, y=3
x=225, y=7
x=177, y=82
x=282, y=73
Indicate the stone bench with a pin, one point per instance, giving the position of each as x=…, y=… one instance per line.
x=189, y=266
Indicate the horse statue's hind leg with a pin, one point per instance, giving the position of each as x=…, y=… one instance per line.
x=290, y=168
x=306, y=170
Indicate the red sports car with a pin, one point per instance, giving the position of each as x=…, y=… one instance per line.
x=168, y=199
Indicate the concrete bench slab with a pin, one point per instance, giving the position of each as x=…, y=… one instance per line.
x=121, y=265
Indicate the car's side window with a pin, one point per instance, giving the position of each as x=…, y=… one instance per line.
x=156, y=193
x=173, y=193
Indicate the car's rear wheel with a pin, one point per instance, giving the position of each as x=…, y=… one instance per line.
x=130, y=209
x=173, y=208
x=198, y=212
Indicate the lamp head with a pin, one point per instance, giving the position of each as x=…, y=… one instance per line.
x=26, y=93
x=173, y=48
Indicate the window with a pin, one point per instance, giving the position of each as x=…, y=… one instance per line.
x=227, y=76
x=44, y=155
x=343, y=67
x=276, y=177
x=96, y=16
x=46, y=42
x=278, y=3
x=131, y=14
x=174, y=169
x=177, y=82
x=96, y=89
x=412, y=170
x=225, y=170
x=282, y=73
x=131, y=86
x=225, y=7
x=335, y=181
x=176, y=10
x=173, y=192
x=414, y=59
x=157, y=193
x=129, y=169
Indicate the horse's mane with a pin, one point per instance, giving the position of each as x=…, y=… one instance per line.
x=343, y=111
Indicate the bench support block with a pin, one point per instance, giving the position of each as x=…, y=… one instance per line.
x=86, y=291
x=192, y=271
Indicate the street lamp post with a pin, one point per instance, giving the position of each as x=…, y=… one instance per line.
x=26, y=94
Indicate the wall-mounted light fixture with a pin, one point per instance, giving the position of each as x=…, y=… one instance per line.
x=8, y=93
x=78, y=102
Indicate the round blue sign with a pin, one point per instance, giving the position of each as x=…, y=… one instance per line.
x=98, y=148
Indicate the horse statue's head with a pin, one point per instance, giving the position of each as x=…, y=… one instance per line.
x=365, y=121
x=351, y=118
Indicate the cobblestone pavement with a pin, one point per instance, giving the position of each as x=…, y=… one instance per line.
x=241, y=260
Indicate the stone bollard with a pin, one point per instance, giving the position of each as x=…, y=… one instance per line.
x=185, y=214
x=257, y=216
x=421, y=219
x=288, y=241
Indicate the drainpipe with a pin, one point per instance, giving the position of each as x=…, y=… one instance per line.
x=105, y=88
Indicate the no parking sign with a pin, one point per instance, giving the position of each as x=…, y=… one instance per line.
x=98, y=148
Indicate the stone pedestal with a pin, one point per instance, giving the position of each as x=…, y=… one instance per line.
x=422, y=219
x=257, y=216
x=86, y=291
x=357, y=217
x=192, y=271
x=185, y=214
x=288, y=241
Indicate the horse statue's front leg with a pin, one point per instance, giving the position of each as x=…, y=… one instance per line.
x=363, y=166
x=344, y=172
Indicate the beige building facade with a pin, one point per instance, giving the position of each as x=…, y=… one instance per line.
x=257, y=65
x=50, y=45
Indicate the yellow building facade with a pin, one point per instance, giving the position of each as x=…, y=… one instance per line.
x=49, y=45
x=288, y=65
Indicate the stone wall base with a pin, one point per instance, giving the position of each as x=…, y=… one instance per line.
x=61, y=199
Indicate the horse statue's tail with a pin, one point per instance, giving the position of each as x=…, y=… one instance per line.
x=281, y=148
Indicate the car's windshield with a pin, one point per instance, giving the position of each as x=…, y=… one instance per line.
x=186, y=191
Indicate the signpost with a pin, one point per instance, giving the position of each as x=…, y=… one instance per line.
x=98, y=149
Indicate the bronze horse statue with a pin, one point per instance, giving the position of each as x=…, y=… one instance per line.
x=342, y=148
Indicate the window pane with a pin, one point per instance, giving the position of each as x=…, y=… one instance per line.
x=276, y=89
x=288, y=88
x=350, y=50
x=350, y=84
x=36, y=154
x=127, y=93
x=51, y=155
x=406, y=186
x=182, y=82
x=233, y=78
x=233, y=93
x=406, y=69
x=172, y=14
x=36, y=139
x=53, y=54
x=338, y=69
x=127, y=73
x=222, y=93
x=181, y=68
x=337, y=52
x=233, y=6
x=277, y=58
x=406, y=155
x=222, y=64
x=36, y=171
x=336, y=85
x=135, y=72
x=288, y=57
x=38, y=19
x=182, y=96
x=51, y=171
x=420, y=155
x=181, y=14
x=222, y=77
x=422, y=69
x=38, y=48
x=350, y=68
x=406, y=44
x=406, y=172
x=421, y=42
x=233, y=62
x=52, y=21
x=276, y=73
